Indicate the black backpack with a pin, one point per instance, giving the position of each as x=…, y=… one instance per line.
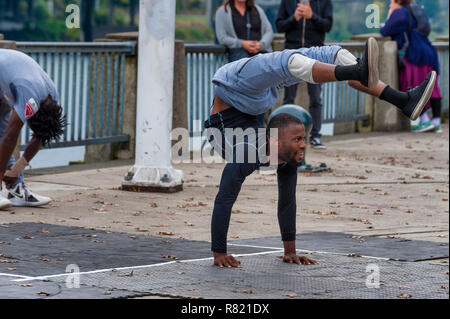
x=423, y=27
x=423, y=23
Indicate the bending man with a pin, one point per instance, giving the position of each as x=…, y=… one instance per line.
x=249, y=87
x=27, y=95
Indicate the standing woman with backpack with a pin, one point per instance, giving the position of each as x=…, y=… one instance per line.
x=408, y=25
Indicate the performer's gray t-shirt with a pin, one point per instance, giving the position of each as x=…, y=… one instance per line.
x=23, y=83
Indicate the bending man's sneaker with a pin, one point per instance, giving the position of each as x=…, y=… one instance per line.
x=21, y=196
x=369, y=64
x=419, y=96
x=4, y=203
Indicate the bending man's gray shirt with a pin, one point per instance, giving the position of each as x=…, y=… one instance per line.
x=23, y=83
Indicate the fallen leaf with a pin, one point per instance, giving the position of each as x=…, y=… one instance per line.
x=43, y=231
x=404, y=296
x=43, y=293
x=43, y=258
x=127, y=274
x=242, y=291
x=165, y=233
x=291, y=295
x=8, y=261
x=26, y=285
x=354, y=255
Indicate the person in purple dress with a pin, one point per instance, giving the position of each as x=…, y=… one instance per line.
x=408, y=23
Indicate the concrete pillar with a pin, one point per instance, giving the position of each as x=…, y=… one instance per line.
x=11, y=45
x=152, y=170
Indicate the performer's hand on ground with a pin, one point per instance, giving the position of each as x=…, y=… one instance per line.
x=299, y=260
x=224, y=260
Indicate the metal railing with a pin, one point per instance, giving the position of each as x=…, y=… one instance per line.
x=90, y=80
x=443, y=51
x=340, y=102
x=202, y=61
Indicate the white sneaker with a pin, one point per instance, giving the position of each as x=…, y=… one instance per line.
x=4, y=203
x=21, y=196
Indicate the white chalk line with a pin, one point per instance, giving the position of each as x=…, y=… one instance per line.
x=274, y=250
x=308, y=251
x=27, y=278
x=11, y=275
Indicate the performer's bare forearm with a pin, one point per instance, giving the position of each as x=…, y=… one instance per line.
x=32, y=148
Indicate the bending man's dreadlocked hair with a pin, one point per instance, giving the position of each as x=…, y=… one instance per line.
x=48, y=123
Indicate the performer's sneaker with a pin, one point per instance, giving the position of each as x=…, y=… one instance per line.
x=21, y=196
x=4, y=203
x=419, y=97
x=368, y=65
x=423, y=127
x=316, y=143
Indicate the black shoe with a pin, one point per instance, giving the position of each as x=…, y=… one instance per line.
x=316, y=143
x=419, y=96
x=368, y=65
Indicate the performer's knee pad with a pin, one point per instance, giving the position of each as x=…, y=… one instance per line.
x=301, y=67
x=344, y=57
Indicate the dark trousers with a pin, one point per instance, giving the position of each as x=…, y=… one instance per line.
x=315, y=104
x=235, y=172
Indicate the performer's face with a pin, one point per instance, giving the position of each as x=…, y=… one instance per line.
x=292, y=144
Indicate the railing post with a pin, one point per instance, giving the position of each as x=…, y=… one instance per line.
x=11, y=45
x=180, y=115
x=126, y=151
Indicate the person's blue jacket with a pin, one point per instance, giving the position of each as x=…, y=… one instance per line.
x=420, y=50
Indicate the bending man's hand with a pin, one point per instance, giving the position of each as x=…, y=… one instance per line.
x=224, y=260
x=299, y=260
x=9, y=179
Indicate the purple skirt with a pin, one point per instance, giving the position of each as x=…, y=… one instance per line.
x=413, y=75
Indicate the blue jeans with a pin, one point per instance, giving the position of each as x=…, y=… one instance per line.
x=236, y=171
x=5, y=114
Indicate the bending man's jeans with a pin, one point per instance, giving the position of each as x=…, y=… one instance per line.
x=245, y=154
